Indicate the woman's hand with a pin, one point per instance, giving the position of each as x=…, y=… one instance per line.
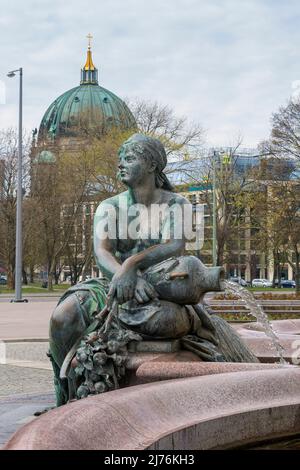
x=122, y=286
x=144, y=291
x=128, y=284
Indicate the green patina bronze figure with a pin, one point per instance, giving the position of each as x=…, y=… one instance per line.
x=149, y=290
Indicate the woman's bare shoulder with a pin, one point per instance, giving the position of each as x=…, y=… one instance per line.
x=113, y=201
x=173, y=198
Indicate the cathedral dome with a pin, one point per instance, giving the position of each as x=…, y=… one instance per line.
x=85, y=105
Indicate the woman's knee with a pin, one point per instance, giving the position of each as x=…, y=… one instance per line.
x=66, y=313
x=157, y=319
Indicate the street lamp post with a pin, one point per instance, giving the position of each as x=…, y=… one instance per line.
x=214, y=247
x=18, y=265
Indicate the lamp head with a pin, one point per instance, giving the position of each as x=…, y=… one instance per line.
x=11, y=74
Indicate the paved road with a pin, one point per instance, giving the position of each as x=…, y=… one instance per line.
x=19, y=380
x=26, y=385
x=7, y=299
x=27, y=353
x=26, y=320
x=26, y=379
x=17, y=410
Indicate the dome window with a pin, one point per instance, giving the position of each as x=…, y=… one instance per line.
x=76, y=99
x=105, y=100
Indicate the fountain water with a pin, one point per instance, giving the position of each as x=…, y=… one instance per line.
x=257, y=311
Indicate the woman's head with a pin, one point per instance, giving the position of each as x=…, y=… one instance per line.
x=149, y=151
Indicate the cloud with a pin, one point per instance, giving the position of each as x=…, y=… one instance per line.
x=227, y=65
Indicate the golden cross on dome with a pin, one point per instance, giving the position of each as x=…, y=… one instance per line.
x=89, y=36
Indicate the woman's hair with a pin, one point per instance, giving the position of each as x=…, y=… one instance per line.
x=154, y=151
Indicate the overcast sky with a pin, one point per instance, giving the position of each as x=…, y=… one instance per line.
x=227, y=64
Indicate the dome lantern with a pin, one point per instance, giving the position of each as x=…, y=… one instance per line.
x=89, y=73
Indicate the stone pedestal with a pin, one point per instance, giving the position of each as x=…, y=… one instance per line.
x=158, y=346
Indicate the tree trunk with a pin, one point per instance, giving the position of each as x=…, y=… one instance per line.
x=51, y=267
x=10, y=278
x=75, y=275
x=75, y=270
x=24, y=276
x=277, y=269
x=297, y=271
x=56, y=277
x=50, y=281
x=220, y=253
x=31, y=274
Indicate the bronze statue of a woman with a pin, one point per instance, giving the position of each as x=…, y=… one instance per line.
x=139, y=245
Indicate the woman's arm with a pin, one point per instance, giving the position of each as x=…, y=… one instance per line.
x=105, y=238
x=106, y=260
x=155, y=254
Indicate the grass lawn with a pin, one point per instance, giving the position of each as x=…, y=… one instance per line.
x=36, y=289
x=60, y=288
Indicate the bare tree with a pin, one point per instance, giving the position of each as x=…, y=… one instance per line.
x=275, y=215
x=289, y=198
x=8, y=191
x=284, y=140
x=58, y=189
x=231, y=187
x=178, y=134
x=79, y=251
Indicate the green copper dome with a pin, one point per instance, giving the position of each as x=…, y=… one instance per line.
x=87, y=104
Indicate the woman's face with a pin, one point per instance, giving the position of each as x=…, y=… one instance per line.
x=133, y=166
